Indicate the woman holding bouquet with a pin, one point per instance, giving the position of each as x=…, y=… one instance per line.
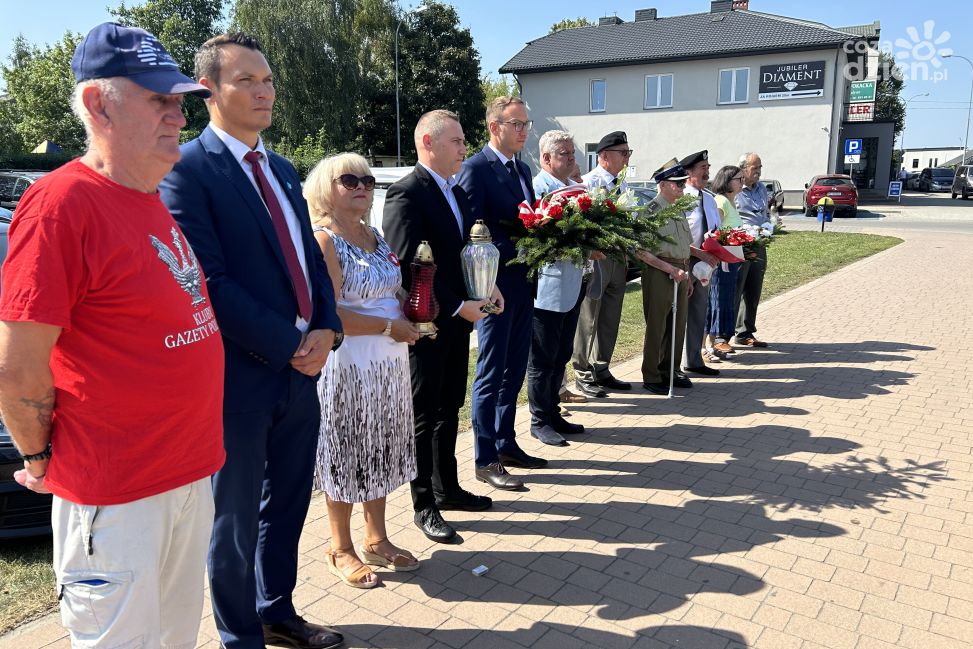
x=722, y=293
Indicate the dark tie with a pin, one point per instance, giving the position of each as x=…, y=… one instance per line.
x=515, y=177
x=614, y=182
x=283, y=235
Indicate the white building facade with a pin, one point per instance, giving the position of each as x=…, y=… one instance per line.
x=703, y=81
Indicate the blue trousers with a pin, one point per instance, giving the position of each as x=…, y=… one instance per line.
x=504, y=343
x=262, y=495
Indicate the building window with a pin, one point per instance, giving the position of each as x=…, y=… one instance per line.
x=734, y=86
x=658, y=91
x=915, y=163
x=597, y=96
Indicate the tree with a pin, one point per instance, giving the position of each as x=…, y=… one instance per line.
x=438, y=68
x=313, y=52
x=40, y=83
x=570, y=23
x=10, y=140
x=493, y=88
x=888, y=105
x=182, y=26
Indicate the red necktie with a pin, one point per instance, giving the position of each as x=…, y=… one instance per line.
x=283, y=235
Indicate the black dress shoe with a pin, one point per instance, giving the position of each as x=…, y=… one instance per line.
x=657, y=388
x=610, y=382
x=590, y=389
x=679, y=381
x=705, y=370
x=298, y=632
x=517, y=458
x=463, y=501
x=431, y=522
x=564, y=427
x=497, y=477
x=547, y=435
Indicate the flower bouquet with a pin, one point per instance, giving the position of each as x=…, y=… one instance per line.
x=570, y=223
x=762, y=235
x=727, y=244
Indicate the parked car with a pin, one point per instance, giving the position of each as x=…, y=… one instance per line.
x=912, y=182
x=22, y=512
x=13, y=184
x=5, y=217
x=384, y=176
x=775, y=194
x=645, y=190
x=936, y=179
x=963, y=182
x=838, y=187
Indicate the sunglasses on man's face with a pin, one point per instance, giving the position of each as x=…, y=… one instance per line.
x=350, y=181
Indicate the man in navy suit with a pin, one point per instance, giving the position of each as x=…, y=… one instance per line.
x=428, y=205
x=241, y=209
x=496, y=184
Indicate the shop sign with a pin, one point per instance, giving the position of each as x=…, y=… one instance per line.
x=791, y=81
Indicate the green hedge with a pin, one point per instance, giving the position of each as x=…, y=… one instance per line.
x=35, y=161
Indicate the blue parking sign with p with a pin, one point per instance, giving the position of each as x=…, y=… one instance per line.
x=853, y=147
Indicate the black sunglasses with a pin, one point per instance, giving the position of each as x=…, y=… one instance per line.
x=350, y=181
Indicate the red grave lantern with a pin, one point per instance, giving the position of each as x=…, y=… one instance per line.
x=421, y=307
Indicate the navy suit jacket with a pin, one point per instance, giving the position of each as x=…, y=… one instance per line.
x=416, y=210
x=232, y=235
x=494, y=197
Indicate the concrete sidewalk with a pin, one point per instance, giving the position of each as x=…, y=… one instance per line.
x=815, y=496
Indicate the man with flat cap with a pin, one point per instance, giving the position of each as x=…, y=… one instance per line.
x=601, y=311
x=111, y=365
x=704, y=217
x=667, y=262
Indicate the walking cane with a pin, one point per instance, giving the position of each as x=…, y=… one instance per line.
x=672, y=357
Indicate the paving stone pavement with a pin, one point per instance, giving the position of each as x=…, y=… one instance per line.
x=816, y=495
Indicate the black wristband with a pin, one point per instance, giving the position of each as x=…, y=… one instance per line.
x=43, y=455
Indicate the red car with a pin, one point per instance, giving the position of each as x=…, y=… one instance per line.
x=838, y=187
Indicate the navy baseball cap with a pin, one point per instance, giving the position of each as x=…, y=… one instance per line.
x=113, y=50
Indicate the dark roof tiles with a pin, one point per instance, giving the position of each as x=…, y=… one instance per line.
x=692, y=36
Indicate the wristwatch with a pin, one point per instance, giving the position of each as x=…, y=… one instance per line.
x=34, y=457
x=339, y=337
x=388, y=328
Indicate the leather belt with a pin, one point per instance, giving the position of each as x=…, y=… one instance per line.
x=672, y=260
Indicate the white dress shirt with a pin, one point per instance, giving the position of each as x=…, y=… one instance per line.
x=238, y=149
x=704, y=217
x=601, y=177
x=446, y=186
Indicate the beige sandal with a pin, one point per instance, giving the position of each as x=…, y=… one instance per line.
x=398, y=563
x=357, y=575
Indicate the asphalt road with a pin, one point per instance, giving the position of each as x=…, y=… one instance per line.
x=917, y=212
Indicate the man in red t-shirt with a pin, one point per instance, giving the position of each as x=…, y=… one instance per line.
x=111, y=362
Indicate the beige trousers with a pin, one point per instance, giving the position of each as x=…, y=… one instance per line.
x=132, y=575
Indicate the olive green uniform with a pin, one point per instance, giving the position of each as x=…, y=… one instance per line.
x=657, y=298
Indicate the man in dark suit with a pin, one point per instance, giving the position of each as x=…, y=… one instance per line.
x=496, y=184
x=427, y=205
x=241, y=209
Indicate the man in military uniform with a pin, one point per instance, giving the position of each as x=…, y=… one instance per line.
x=667, y=262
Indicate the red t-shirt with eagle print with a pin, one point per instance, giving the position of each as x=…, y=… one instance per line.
x=138, y=367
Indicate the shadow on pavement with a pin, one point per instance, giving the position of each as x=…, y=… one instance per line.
x=564, y=636
x=867, y=351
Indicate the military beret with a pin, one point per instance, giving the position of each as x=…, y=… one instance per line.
x=690, y=160
x=612, y=139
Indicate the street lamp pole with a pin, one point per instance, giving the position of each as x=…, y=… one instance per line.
x=902, y=141
x=398, y=125
x=969, y=108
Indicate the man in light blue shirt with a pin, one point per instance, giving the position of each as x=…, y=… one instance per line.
x=556, y=307
x=752, y=202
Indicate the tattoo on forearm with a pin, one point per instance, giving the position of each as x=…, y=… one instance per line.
x=43, y=406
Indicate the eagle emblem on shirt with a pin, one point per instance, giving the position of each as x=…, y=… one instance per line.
x=184, y=268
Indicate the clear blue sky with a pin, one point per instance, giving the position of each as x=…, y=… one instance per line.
x=501, y=27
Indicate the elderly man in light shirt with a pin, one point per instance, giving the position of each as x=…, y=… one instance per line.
x=752, y=202
x=556, y=307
